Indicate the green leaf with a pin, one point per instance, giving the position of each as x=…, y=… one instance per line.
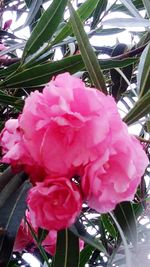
x=147, y=6
x=140, y=109
x=110, y=31
x=42, y=233
x=11, y=100
x=84, y=12
x=85, y=255
x=132, y=9
x=41, y=74
x=5, y=177
x=79, y=230
x=87, y=53
x=108, y=225
x=101, y=6
x=38, y=244
x=11, y=186
x=67, y=250
x=143, y=76
x=107, y=64
x=10, y=218
x=6, y=72
x=33, y=9
x=45, y=28
x=125, y=216
x=119, y=85
x=126, y=22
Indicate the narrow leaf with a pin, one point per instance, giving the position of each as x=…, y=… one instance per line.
x=110, y=31
x=126, y=247
x=79, y=230
x=127, y=22
x=132, y=9
x=110, y=228
x=140, y=109
x=41, y=74
x=147, y=6
x=125, y=216
x=85, y=255
x=10, y=218
x=45, y=27
x=143, y=76
x=6, y=72
x=101, y=6
x=67, y=250
x=12, y=48
x=11, y=100
x=5, y=177
x=34, y=8
x=10, y=187
x=87, y=53
x=84, y=11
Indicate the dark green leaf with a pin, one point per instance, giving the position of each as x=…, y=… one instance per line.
x=85, y=255
x=5, y=177
x=87, y=52
x=119, y=84
x=11, y=100
x=84, y=12
x=10, y=218
x=108, y=225
x=41, y=74
x=125, y=216
x=113, y=63
x=101, y=6
x=79, y=230
x=6, y=72
x=143, y=77
x=8, y=188
x=42, y=234
x=45, y=28
x=140, y=109
x=67, y=250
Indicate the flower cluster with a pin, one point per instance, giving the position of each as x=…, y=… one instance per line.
x=71, y=141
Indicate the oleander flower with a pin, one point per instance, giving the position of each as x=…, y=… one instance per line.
x=54, y=203
x=115, y=177
x=24, y=238
x=2, y=48
x=49, y=243
x=67, y=125
x=16, y=153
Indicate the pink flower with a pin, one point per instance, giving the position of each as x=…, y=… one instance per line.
x=3, y=47
x=115, y=177
x=67, y=125
x=15, y=151
x=24, y=238
x=49, y=243
x=54, y=203
x=11, y=142
x=7, y=24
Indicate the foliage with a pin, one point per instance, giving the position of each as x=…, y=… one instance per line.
x=124, y=73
